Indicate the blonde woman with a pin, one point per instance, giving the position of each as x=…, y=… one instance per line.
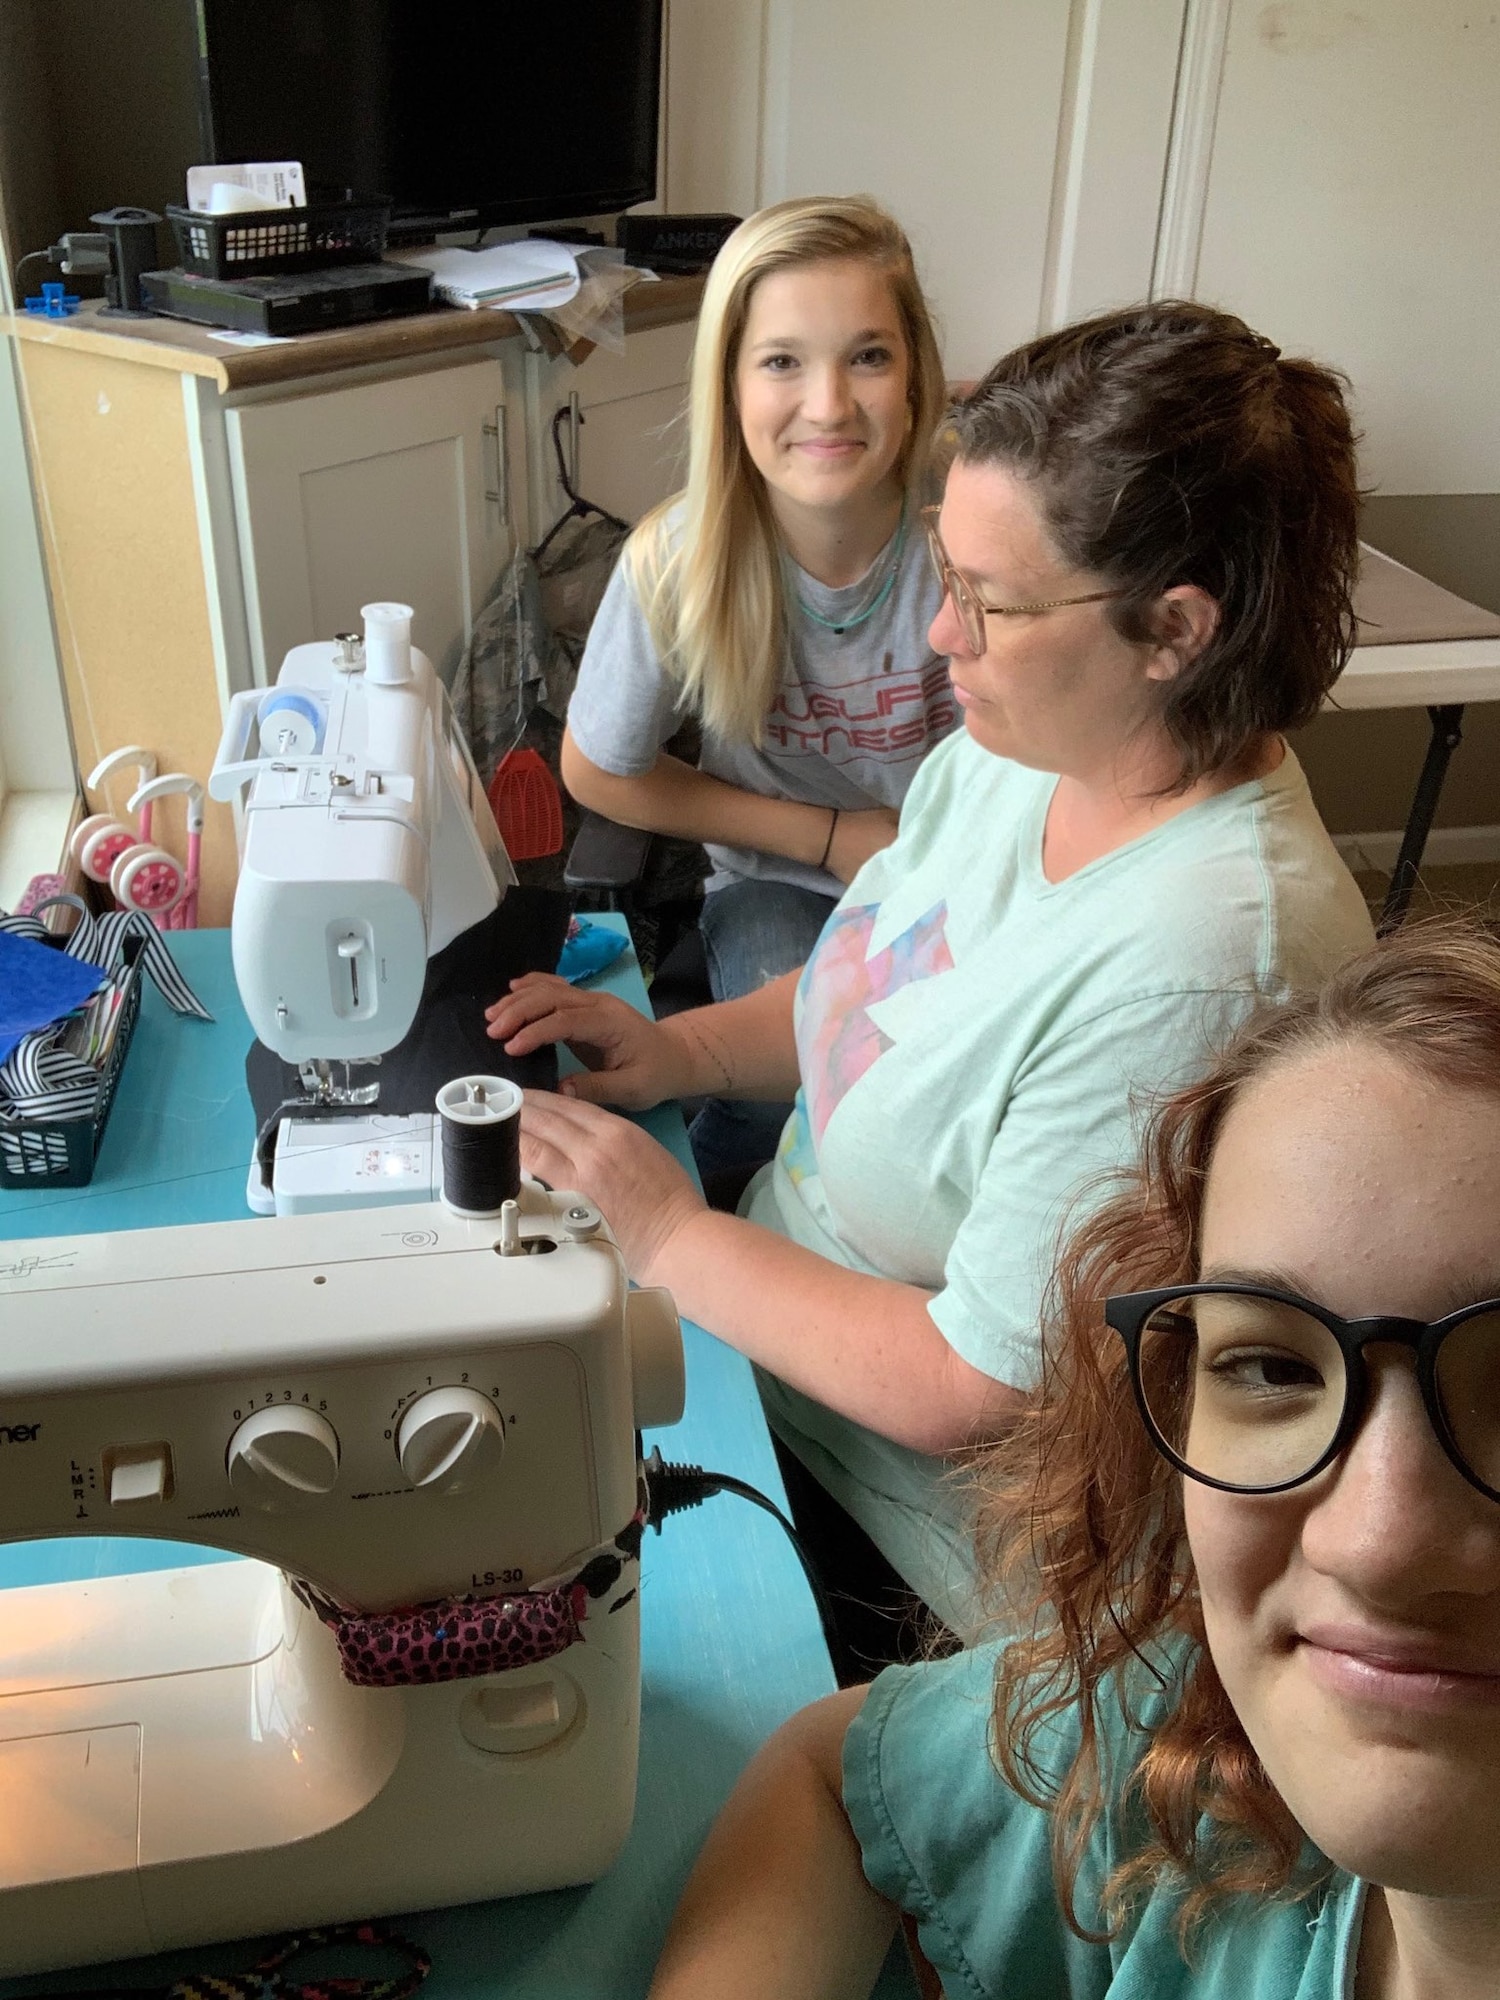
x=784, y=598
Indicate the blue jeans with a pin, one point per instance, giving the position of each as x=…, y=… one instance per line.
x=753, y=932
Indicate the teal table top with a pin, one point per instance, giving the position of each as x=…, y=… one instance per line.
x=730, y=1638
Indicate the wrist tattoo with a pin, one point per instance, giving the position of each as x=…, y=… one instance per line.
x=709, y=1046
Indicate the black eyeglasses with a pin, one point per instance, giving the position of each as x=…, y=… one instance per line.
x=1256, y=1391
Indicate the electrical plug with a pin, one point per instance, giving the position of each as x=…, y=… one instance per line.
x=80, y=252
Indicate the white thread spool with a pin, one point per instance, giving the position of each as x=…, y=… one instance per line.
x=387, y=643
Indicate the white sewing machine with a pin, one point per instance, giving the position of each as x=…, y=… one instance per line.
x=367, y=846
x=397, y=1410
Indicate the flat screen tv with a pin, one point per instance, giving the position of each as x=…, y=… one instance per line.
x=466, y=113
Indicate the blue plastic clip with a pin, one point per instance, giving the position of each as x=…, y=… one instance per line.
x=56, y=302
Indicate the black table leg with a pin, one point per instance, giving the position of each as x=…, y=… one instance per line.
x=1447, y=733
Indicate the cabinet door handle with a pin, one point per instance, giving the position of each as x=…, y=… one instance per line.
x=498, y=495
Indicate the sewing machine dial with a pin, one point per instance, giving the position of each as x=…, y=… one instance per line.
x=283, y=1458
x=450, y=1439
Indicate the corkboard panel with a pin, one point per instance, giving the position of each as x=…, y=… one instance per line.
x=120, y=531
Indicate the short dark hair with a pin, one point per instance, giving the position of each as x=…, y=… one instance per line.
x=1169, y=444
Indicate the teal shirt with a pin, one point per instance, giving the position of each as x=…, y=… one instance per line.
x=944, y=1837
x=976, y=1043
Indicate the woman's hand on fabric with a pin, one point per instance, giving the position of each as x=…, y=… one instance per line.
x=628, y=1059
x=856, y=837
x=643, y=1194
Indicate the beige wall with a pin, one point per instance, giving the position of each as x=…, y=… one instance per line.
x=97, y=110
x=1353, y=209
x=29, y=198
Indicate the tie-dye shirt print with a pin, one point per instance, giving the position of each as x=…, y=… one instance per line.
x=837, y=1038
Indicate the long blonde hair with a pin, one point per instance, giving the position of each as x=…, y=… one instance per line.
x=709, y=580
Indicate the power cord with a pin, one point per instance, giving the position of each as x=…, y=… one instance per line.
x=672, y=1489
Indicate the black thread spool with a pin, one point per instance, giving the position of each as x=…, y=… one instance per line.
x=481, y=1121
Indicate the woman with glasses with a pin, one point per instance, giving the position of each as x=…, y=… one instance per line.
x=783, y=599
x=1246, y=1745
x=1147, y=542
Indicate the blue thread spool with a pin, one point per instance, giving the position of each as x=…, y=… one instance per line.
x=291, y=724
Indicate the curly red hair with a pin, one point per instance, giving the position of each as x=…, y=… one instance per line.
x=1080, y=1525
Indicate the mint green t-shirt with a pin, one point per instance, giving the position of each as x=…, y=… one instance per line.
x=943, y=1836
x=976, y=1043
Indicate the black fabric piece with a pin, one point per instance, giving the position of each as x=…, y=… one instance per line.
x=447, y=1038
x=724, y=1188
x=681, y=978
x=879, y=1621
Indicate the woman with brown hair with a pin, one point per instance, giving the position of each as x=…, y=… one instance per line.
x=1245, y=1742
x=1147, y=543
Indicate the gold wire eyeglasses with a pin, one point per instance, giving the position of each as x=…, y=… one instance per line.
x=972, y=610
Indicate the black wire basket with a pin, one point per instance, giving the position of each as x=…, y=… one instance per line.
x=267, y=241
x=60, y=1152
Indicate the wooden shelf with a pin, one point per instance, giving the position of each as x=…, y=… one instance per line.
x=193, y=350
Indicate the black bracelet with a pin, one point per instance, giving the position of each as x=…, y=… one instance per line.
x=828, y=843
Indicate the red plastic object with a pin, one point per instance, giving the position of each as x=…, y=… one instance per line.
x=527, y=806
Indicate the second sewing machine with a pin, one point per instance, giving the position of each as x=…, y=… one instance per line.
x=368, y=854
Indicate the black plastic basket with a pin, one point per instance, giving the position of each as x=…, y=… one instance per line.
x=60, y=1152
x=265, y=241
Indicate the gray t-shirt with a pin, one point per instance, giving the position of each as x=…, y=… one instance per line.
x=853, y=718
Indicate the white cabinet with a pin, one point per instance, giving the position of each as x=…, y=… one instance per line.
x=407, y=488
x=632, y=442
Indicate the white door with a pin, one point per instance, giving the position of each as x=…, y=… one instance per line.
x=405, y=489
x=1347, y=202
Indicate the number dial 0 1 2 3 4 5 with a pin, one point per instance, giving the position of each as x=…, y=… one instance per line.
x=283, y=1459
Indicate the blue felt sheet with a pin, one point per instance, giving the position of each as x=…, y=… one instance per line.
x=38, y=985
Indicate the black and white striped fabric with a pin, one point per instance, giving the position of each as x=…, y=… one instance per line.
x=39, y=1079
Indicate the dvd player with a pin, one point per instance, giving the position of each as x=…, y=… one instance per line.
x=306, y=302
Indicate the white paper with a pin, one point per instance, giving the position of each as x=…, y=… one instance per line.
x=229, y=198
x=529, y=275
x=247, y=339
x=278, y=183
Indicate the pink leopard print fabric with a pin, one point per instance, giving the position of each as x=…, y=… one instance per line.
x=461, y=1638
x=458, y=1640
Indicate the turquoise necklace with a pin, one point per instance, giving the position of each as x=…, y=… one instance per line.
x=839, y=626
